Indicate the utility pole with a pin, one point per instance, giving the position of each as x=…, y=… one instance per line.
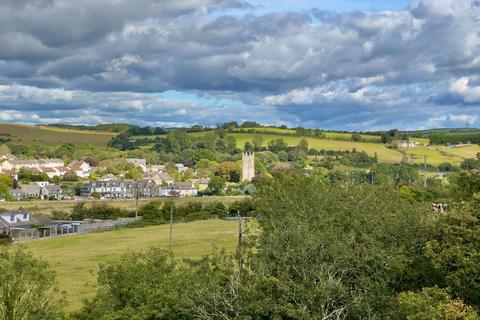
x=136, y=202
x=171, y=220
x=425, y=172
x=240, y=233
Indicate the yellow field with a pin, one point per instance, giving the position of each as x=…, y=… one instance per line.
x=75, y=259
x=51, y=135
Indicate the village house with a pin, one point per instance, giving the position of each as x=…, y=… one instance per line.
x=51, y=191
x=156, y=168
x=51, y=172
x=114, y=189
x=408, y=144
x=201, y=184
x=141, y=163
x=184, y=189
x=51, y=163
x=31, y=190
x=20, y=164
x=81, y=168
x=180, y=167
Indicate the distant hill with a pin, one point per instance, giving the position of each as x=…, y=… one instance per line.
x=52, y=135
x=106, y=127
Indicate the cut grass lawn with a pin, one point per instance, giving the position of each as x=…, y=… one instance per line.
x=52, y=136
x=75, y=259
x=47, y=207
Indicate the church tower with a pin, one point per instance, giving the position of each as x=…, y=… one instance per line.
x=248, y=166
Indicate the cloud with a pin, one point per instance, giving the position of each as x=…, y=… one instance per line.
x=314, y=68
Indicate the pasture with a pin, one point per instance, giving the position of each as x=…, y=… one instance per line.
x=438, y=155
x=75, y=259
x=52, y=136
x=384, y=154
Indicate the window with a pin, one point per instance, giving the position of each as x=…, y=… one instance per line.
x=12, y=218
x=25, y=216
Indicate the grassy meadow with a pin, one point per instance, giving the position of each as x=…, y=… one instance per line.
x=75, y=259
x=384, y=154
x=52, y=136
x=438, y=155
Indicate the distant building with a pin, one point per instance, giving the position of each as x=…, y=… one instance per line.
x=141, y=163
x=51, y=163
x=17, y=194
x=81, y=168
x=51, y=191
x=180, y=167
x=184, y=189
x=201, y=184
x=31, y=190
x=408, y=144
x=248, y=166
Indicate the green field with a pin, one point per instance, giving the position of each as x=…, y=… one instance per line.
x=51, y=135
x=46, y=207
x=438, y=155
x=75, y=259
x=384, y=154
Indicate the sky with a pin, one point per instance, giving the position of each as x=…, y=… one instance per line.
x=355, y=65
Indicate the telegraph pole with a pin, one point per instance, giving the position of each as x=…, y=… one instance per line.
x=240, y=233
x=425, y=172
x=171, y=221
x=136, y=202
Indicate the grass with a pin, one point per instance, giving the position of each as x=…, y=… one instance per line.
x=438, y=155
x=46, y=207
x=75, y=259
x=52, y=136
x=384, y=154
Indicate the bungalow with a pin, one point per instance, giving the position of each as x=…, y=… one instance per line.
x=165, y=178
x=18, y=223
x=51, y=191
x=31, y=190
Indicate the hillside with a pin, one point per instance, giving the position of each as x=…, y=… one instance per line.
x=52, y=135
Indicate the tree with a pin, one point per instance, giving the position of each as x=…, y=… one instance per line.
x=152, y=211
x=356, y=137
x=257, y=142
x=26, y=287
x=352, y=276
x=431, y=303
x=230, y=171
x=216, y=185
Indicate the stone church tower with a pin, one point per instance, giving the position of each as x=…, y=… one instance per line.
x=248, y=166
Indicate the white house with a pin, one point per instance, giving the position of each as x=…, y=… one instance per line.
x=51, y=163
x=408, y=144
x=141, y=163
x=81, y=168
